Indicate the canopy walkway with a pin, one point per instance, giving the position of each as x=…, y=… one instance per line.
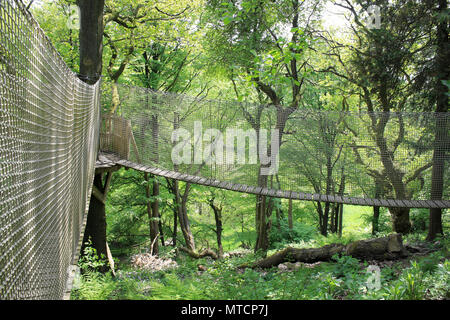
x=107, y=161
x=53, y=140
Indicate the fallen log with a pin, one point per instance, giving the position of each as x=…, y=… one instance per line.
x=385, y=248
x=202, y=254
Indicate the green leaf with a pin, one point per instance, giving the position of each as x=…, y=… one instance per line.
x=227, y=20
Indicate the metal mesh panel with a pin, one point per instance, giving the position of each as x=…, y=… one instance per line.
x=337, y=153
x=48, y=145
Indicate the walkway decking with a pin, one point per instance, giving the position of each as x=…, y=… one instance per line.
x=112, y=162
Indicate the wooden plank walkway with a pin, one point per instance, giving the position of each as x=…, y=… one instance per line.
x=108, y=161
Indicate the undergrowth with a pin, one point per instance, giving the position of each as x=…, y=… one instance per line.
x=426, y=277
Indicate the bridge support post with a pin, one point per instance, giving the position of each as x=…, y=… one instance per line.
x=96, y=221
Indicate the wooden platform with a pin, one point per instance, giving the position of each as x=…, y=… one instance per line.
x=107, y=162
x=112, y=162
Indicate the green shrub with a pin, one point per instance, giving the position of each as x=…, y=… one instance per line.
x=409, y=286
x=281, y=235
x=384, y=221
x=90, y=261
x=419, y=219
x=345, y=265
x=438, y=283
x=94, y=286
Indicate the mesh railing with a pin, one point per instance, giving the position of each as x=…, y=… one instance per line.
x=328, y=152
x=48, y=145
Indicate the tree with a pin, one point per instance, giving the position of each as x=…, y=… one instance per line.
x=138, y=36
x=441, y=143
x=217, y=209
x=129, y=28
x=91, y=48
x=164, y=68
x=264, y=46
x=320, y=137
x=380, y=67
x=53, y=17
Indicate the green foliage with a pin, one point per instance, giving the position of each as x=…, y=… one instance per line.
x=343, y=278
x=438, y=282
x=94, y=286
x=53, y=17
x=281, y=235
x=90, y=261
x=384, y=221
x=419, y=219
x=409, y=286
x=345, y=265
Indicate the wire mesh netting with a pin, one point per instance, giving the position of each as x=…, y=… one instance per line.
x=328, y=152
x=48, y=144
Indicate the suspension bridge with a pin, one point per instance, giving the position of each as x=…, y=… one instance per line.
x=54, y=139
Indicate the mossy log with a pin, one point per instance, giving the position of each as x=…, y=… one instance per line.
x=386, y=248
x=202, y=254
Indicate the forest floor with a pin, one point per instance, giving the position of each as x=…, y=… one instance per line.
x=424, y=274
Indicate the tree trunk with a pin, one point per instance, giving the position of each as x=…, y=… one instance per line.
x=153, y=223
x=400, y=216
x=386, y=248
x=186, y=228
x=91, y=50
x=393, y=174
x=441, y=137
x=176, y=208
x=180, y=212
x=400, y=220
x=160, y=227
x=264, y=206
x=376, y=210
x=115, y=97
x=290, y=222
x=175, y=190
x=320, y=214
x=262, y=237
x=180, y=202
x=219, y=228
x=262, y=225
x=184, y=221
x=339, y=207
x=326, y=211
x=334, y=217
x=375, y=220
x=91, y=39
x=95, y=230
x=341, y=217
x=329, y=181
